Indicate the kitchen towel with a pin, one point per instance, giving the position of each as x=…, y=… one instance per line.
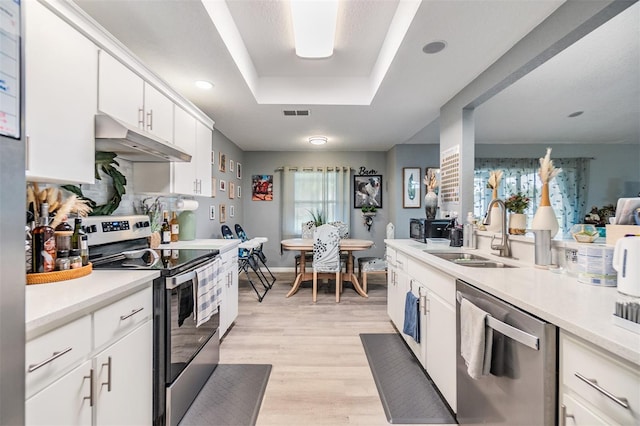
x=475, y=339
x=411, y=325
x=207, y=291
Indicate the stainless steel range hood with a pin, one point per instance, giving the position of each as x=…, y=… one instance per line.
x=134, y=144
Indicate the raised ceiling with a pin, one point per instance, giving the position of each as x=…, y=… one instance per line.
x=260, y=76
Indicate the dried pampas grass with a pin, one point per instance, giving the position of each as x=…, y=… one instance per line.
x=58, y=206
x=494, y=179
x=547, y=171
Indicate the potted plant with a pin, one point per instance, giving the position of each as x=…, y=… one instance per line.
x=517, y=204
x=153, y=209
x=368, y=210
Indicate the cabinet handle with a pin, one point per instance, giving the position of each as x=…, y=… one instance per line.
x=141, y=117
x=565, y=416
x=54, y=356
x=623, y=402
x=90, y=397
x=108, y=382
x=424, y=305
x=150, y=119
x=129, y=315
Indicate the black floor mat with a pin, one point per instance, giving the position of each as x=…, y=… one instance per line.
x=407, y=394
x=231, y=397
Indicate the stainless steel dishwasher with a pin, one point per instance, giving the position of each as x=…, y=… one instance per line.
x=522, y=386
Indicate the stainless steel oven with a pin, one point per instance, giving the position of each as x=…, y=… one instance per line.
x=184, y=354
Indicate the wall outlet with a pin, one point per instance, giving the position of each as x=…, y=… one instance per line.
x=212, y=212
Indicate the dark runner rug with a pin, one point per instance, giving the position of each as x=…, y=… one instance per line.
x=231, y=397
x=408, y=395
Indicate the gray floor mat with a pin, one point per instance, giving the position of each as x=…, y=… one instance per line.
x=231, y=397
x=407, y=394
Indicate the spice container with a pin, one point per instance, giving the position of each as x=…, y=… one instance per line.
x=74, y=259
x=62, y=260
x=63, y=233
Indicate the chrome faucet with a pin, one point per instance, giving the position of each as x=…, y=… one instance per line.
x=503, y=246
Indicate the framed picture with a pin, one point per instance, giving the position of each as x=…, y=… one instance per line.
x=223, y=185
x=232, y=211
x=222, y=162
x=214, y=187
x=367, y=191
x=262, y=187
x=223, y=213
x=230, y=165
x=411, y=183
x=239, y=191
x=232, y=190
x=239, y=170
x=212, y=212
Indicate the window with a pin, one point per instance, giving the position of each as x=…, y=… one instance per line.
x=567, y=191
x=311, y=190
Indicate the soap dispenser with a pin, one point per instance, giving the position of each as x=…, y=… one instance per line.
x=468, y=232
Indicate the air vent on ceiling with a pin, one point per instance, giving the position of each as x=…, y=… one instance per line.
x=296, y=113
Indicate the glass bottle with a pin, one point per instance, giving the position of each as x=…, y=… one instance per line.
x=76, y=237
x=74, y=259
x=62, y=260
x=165, y=231
x=44, y=243
x=84, y=249
x=175, y=227
x=63, y=233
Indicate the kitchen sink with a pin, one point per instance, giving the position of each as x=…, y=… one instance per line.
x=470, y=260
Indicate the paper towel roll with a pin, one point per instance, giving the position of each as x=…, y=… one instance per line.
x=186, y=205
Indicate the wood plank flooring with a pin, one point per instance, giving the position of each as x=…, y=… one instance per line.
x=320, y=373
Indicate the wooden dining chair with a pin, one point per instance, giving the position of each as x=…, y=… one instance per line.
x=326, y=256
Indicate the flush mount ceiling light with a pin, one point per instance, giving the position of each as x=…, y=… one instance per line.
x=318, y=140
x=434, y=47
x=202, y=84
x=314, y=27
x=575, y=114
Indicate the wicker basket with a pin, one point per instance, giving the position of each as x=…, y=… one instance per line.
x=52, y=277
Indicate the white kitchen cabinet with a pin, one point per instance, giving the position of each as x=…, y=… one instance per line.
x=596, y=385
x=98, y=366
x=61, y=68
x=183, y=175
x=126, y=96
x=397, y=286
x=202, y=159
x=229, y=305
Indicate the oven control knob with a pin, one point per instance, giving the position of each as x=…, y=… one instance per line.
x=146, y=224
x=91, y=229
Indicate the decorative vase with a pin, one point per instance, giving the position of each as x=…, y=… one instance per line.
x=431, y=204
x=517, y=223
x=495, y=215
x=545, y=217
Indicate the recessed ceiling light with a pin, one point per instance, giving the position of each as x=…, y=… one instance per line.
x=575, y=114
x=318, y=140
x=314, y=27
x=434, y=47
x=203, y=84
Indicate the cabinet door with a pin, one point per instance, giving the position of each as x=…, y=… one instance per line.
x=60, y=90
x=184, y=174
x=65, y=402
x=573, y=413
x=203, y=159
x=123, y=385
x=229, y=278
x=441, y=346
x=158, y=113
x=120, y=91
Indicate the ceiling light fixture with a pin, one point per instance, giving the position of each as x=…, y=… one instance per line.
x=314, y=27
x=202, y=84
x=434, y=47
x=575, y=114
x=318, y=140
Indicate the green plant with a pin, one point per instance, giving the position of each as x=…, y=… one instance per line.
x=517, y=203
x=367, y=208
x=153, y=210
x=318, y=217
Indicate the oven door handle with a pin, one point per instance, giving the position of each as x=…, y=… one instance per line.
x=179, y=279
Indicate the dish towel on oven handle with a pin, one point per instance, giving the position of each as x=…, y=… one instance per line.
x=411, y=326
x=207, y=291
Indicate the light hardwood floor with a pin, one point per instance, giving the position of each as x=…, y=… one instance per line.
x=320, y=373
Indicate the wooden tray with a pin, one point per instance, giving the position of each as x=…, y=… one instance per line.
x=52, y=277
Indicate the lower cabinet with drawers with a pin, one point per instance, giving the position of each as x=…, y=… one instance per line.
x=596, y=387
x=94, y=370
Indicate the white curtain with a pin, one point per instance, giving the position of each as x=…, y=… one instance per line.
x=307, y=190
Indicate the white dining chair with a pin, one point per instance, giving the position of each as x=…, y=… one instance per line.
x=326, y=256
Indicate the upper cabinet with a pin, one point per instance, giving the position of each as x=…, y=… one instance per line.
x=184, y=174
x=202, y=158
x=126, y=96
x=60, y=98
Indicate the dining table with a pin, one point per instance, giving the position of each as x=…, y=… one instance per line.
x=304, y=245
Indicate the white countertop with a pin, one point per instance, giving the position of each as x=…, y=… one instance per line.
x=208, y=244
x=582, y=309
x=50, y=305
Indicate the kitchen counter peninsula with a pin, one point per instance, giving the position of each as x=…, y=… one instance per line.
x=581, y=309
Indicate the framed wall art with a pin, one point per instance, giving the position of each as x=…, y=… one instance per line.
x=232, y=211
x=262, y=187
x=411, y=184
x=223, y=185
x=231, y=165
x=232, y=190
x=214, y=187
x=223, y=213
x=212, y=212
x=222, y=162
x=367, y=191
x=239, y=170
x=239, y=191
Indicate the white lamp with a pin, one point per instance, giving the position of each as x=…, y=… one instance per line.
x=314, y=27
x=318, y=140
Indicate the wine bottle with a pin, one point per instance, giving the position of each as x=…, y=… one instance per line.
x=77, y=234
x=44, y=243
x=175, y=228
x=166, y=229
